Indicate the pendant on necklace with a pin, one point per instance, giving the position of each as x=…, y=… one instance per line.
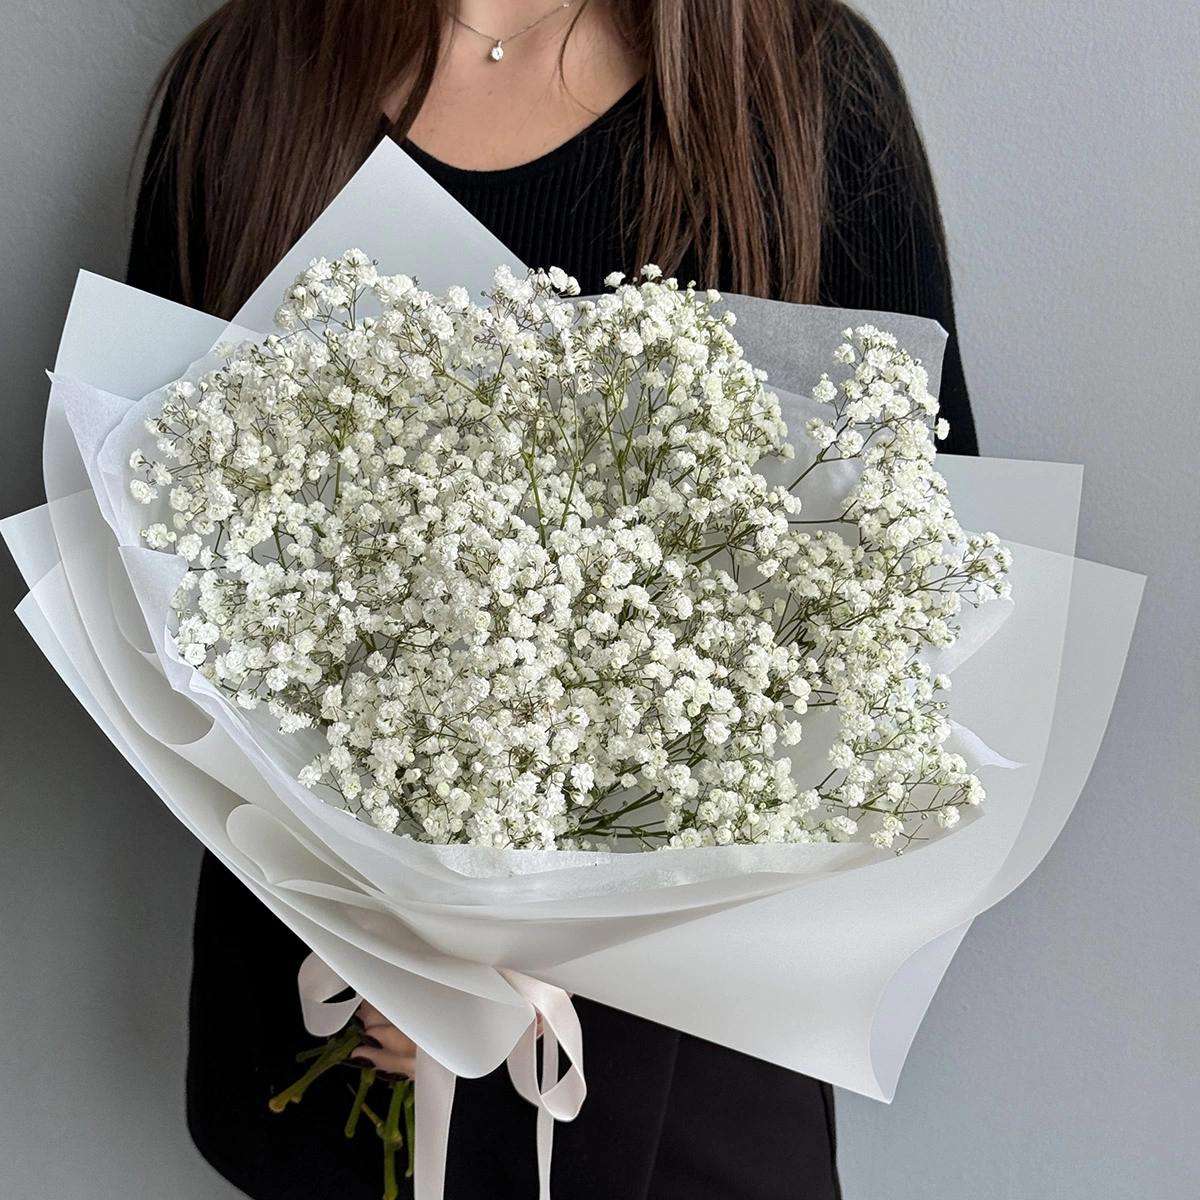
x=496, y=53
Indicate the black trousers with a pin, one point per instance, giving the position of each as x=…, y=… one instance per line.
x=667, y=1116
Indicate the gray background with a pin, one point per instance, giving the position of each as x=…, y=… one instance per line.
x=1060, y=1058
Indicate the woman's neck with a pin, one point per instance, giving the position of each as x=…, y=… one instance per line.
x=486, y=113
x=503, y=18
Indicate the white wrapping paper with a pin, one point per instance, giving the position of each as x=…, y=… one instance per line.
x=821, y=958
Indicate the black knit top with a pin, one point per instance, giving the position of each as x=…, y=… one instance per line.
x=667, y=1114
x=880, y=248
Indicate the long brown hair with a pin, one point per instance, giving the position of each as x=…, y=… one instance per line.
x=273, y=104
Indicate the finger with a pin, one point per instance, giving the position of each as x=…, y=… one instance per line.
x=384, y=1061
x=367, y=1012
x=390, y=1040
x=376, y=1025
x=376, y=1028
x=370, y=1016
x=385, y=1032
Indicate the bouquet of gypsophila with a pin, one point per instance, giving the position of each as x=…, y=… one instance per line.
x=544, y=573
x=518, y=567
x=521, y=567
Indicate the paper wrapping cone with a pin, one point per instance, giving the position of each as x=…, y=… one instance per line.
x=821, y=958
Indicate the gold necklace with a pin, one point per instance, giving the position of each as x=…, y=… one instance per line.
x=496, y=53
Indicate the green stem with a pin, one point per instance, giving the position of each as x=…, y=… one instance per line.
x=401, y=1105
x=410, y=1127
x=360, y=1098
x=336, y=1049
x=393, y=1140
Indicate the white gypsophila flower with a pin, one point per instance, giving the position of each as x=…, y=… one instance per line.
x=516, y=564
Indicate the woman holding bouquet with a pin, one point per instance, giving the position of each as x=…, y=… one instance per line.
x=757, y=146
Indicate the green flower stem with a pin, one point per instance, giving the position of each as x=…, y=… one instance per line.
x=401, y=1105
x=393, y=1139
x=360, y=1098
x=336, y=1050
x=388, y=1129
x=410, y=1124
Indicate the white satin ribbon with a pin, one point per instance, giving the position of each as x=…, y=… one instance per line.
x=555, y=1099
x=318, y=985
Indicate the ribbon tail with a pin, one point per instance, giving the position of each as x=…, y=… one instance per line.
x=545, y=1149
x=545, y=1119
x=434, y=1098
x=556, y=1099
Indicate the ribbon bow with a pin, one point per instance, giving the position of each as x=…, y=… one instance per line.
x=555, y=1099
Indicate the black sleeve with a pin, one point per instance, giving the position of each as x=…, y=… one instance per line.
x=245, y=1025
x=883, y=245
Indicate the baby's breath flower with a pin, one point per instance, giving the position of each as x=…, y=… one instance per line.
x=519, y=568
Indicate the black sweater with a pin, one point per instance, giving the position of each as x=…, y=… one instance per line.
x=668, y=1117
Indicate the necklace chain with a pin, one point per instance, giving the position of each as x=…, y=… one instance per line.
x=497, y=51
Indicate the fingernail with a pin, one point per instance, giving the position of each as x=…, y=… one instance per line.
x=374, y=1043
x=392, y=1076
x=363, y=1064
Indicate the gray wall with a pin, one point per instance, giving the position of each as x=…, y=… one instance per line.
x=1060, y=1058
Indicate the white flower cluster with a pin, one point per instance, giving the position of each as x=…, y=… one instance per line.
x=516, y=564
